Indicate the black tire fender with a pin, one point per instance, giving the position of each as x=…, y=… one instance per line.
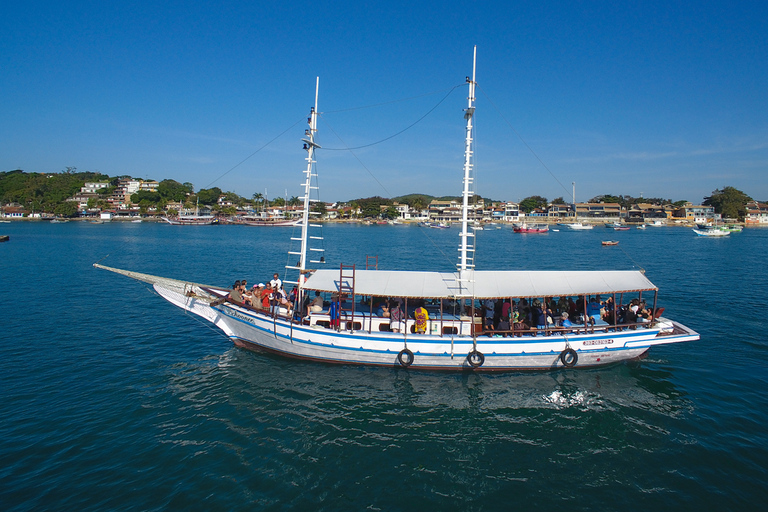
x=475, y=358
x=405, y=358
x=569, y=358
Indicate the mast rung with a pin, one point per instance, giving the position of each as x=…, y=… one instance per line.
x=297, y=239
x=290, y=282
x=315, y=225
x=291, y=267
x=317, y=250
x=316, y=261
x=294, y=252
x=316, y=237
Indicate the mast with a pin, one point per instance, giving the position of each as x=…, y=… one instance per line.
x=309, y=146
x=467, y=249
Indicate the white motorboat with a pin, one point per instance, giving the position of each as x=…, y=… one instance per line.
x=576, y=226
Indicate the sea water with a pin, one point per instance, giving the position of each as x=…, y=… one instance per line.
x=113, y=399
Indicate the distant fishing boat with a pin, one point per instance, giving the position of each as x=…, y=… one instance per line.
x=533, y=228
x=621, y=228
x=610, y=242
x=438, y=328
x=712, y=232
x=4, y=238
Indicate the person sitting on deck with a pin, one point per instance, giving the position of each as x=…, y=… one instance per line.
x=235, y=295
x=383, y=310
x=281, y=298
x=316, y=305
x=421, y=316
x=594, y=309
x=564, y=322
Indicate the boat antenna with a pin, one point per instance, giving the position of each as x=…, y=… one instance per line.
x=467, y=249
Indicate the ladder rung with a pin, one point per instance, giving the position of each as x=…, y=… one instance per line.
x=292, y=267
x=317, y=250
x=294, y=252
x=316, y=261
x=315, y=225
x=315, y=238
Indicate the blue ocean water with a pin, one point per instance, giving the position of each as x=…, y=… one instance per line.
x=113, y=399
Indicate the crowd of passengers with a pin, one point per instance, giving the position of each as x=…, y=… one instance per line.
x=560, y=314
x=500, y=316
x=264, y=296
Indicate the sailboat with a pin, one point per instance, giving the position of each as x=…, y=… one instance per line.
x=439, y=326
x=191, y=220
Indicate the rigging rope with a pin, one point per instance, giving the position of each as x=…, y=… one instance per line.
x=254, y=153
x=401, y=131
x=522, y=140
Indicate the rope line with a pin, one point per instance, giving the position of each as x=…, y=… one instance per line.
x=254, y=153
x=401, y=131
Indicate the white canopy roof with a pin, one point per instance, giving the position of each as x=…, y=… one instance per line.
x=483, y=284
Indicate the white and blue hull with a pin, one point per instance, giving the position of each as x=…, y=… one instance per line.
x=257, y=331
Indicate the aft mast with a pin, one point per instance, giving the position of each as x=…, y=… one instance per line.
x=467, y=247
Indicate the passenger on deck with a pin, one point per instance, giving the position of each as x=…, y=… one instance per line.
x=594, y=309
x=504, y=318
x=282, y=300
x=538, y=317
x=490, y=305
x=316, y=305
x=395, y=316
x=236, y=295
x=333, y=311
x=266, y=296
x=276, y=283
x=383, y=310
x=421, y=316
x=564, y=322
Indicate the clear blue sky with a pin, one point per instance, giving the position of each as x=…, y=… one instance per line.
x=665, y=99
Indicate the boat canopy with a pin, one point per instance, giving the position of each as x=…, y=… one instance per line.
x=482, y=284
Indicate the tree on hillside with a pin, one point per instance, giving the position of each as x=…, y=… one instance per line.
x=730, y=202
x=559, y=200
x=532, y=202
x=209, y=196
x=172, y=190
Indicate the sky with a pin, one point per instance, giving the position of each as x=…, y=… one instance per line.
x=658, y=99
